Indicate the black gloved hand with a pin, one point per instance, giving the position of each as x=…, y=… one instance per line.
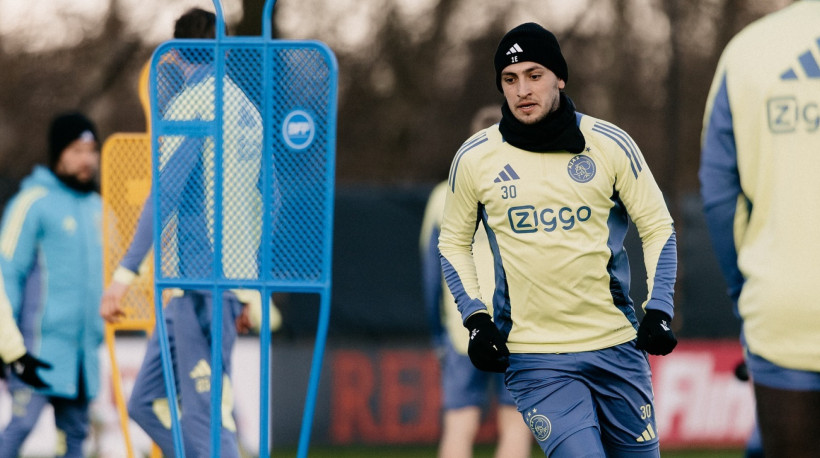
x=2, y=369
x=25, y=368
x=487, y=350
x=654, y=334
x=741, y=371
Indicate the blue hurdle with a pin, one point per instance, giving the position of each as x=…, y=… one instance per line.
x=290, y=158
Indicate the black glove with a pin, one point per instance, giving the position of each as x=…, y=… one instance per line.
x=654, y=335
x=487, y=350
x=741, y=371
x=25, y=368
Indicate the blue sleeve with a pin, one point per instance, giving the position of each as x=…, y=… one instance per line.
x=432, y=285
x=143, y=237
x=720, y=187
x=173, y=81
x=174, y=176
x=663, y=284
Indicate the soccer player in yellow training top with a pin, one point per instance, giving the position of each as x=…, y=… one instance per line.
x=555, y=190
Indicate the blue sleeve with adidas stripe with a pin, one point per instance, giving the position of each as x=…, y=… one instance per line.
x=455, y=244
x=720, y=186
x=637, y=190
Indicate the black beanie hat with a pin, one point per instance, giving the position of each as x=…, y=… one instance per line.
x=66, y=128
x=530, y=42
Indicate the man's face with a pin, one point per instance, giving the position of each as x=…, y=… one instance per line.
x=532, y=91
x=81, y=160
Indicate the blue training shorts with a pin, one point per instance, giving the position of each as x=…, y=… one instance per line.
x=609, y=390
x=465, y=386
x=767, y=373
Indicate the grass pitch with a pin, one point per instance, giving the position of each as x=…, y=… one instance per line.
x=481, y=451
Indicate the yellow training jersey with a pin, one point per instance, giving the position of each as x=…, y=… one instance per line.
x=556, y=223
x=759, y=172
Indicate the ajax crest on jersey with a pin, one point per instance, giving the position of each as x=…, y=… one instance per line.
x=581, y=168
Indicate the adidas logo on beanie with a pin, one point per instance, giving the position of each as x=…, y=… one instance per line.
x=530, y=42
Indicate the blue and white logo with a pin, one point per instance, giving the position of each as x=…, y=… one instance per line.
x=581, y=168
x=539, y=425
x=298, y=129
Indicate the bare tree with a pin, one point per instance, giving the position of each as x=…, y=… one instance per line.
x=403, y=109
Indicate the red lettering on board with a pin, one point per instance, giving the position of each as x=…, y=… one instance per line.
x=353, y=384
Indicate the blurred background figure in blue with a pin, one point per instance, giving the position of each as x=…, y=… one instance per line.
x=51, y=253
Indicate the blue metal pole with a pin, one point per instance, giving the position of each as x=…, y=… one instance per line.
x=267, y=14
x=217, y=132
x=315, y=374
x=159, y=314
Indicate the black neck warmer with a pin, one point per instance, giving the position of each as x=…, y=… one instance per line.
x=557, y=132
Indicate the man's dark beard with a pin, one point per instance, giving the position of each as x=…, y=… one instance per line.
x=78, y=185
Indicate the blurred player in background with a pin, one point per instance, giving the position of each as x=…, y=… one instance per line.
x=51, y=258
x=555, y=191
x=465, y=389
x=759, y=169
x=188, y=314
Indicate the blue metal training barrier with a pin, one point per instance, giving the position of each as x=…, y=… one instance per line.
x=243, y=163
